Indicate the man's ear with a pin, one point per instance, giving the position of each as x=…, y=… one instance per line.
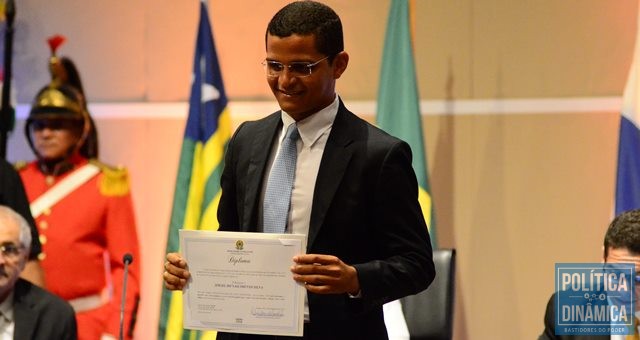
x=340, y=62
x=25, y=259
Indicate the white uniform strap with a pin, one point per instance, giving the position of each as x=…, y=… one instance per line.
x=63, y=188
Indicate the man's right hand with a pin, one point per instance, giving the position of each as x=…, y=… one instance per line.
x=175, y=272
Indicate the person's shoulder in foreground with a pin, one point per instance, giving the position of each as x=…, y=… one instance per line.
x=41, y=315
x=12, y=194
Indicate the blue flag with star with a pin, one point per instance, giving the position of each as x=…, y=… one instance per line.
x=628, y=172
x=197, y=190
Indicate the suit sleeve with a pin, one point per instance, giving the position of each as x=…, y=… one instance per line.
x=122, y=238
x=13, y=195
x=227, y=208
x=67, y=323
x=405, y=260
x=39, y=314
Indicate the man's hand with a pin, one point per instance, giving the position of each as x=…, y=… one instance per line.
x=325, y=274
x=175, y=272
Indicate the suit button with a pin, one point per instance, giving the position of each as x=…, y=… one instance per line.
x=42, y=256
x=43, y=239
x=43, y=225
x=46, y=212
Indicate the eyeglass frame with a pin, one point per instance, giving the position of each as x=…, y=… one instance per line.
x=11, y=254
x=302, y=64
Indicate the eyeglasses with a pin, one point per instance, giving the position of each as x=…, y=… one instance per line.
x=296, y=69
x=10, y=250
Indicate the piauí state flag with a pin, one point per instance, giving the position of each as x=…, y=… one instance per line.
x=197, y=191
x=628, y=176
x=399, y=103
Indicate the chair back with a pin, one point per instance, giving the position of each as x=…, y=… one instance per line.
x=429, y=314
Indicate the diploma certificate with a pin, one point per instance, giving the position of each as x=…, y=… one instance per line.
x=242, y=282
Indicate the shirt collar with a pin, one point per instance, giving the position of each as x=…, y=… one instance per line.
x=6, y=307
x=312, y=127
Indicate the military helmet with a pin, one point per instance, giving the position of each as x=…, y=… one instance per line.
x=63, y=98
x=57, y=102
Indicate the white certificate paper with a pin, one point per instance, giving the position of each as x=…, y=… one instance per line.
x=242, y=282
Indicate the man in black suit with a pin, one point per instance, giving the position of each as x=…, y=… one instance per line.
x=621, y=245
x=355, y=194
x=12, y=194
x=27, y=311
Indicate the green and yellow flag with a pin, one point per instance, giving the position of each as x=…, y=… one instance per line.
x=399, y=102
x=197, y=192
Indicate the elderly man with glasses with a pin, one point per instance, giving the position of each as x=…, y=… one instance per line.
x=26, y=310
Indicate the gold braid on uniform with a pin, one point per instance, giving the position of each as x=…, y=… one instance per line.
x=114, y=181
x=19, y=165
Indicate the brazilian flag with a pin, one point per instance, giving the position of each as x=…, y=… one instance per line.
x=399, y=103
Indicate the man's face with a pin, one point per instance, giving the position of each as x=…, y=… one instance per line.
x=13, y=258
x=622, y=255
x=53, y=138
x=300, y=97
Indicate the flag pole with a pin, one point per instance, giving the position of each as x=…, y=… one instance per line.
x=7, y=113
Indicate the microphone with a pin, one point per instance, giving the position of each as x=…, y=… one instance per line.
x=126, y=259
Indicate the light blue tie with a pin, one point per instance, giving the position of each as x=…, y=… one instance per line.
x=277, y=197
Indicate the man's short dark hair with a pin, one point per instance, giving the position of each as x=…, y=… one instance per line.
x=624, y=233
x=309, y=18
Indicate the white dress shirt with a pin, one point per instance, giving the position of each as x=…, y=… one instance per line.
x=314, y=132
x=7, y=323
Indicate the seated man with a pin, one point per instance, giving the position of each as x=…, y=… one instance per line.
x=26, y=310
x=621, y=245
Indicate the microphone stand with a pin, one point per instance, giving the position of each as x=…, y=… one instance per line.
x=126, y=259
x=7, y=113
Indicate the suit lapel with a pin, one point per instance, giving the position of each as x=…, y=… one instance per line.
x=23, y=314
x=335, y=159
x=260, y=151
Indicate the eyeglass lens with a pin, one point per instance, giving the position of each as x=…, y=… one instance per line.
x=296, y=68
x=9, y=249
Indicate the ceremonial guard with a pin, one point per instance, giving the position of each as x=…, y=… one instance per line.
x=83, y=209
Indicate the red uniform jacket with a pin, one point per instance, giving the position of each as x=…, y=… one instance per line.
x=84, y=237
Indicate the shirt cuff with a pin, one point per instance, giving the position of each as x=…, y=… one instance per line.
x=356, y=296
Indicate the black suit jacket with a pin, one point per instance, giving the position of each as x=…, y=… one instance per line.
x=365, y=211
x=12, y=194
x=550, y=329
x=40, y=315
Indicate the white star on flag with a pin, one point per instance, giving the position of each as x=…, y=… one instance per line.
x=209, y=93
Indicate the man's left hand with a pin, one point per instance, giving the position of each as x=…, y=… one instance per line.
x=325, y=274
